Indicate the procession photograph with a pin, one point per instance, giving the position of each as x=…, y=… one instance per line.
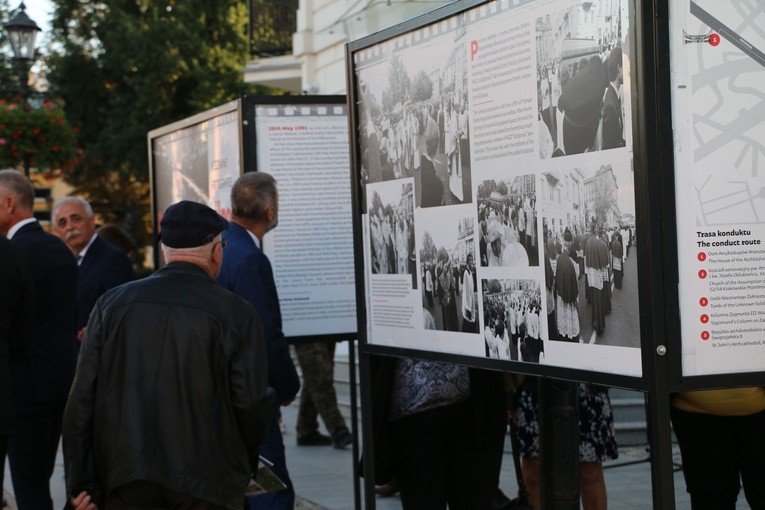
x=511, y=319
x=413, y=118
x=590, y=260
x=507, y=218
x=391, y=229
x=446, y=247
x=580, y=79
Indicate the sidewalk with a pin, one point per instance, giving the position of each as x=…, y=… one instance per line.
x=323, y=478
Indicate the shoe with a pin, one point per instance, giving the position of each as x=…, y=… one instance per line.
x=314, y=439
x=343, y=440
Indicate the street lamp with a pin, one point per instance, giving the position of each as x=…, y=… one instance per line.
x=22, y=32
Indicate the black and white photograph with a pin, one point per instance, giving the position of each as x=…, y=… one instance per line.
x=588, y=228
x=181, y=166
x=414, y=120
x=511, y=319
x=580, y=79
x=391, y=229
x=507, y=218
x=447, y=271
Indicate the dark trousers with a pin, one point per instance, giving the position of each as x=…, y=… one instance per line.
x=145, y=495
x=437, y=461
x=273, y=450
x=717, y=452
x=32, y=453
x=469, y=326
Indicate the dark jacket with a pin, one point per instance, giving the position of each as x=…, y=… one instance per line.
x=103, y=267
x=44, y=373
x=247, y=272
x=16, y=309
x=171, y=388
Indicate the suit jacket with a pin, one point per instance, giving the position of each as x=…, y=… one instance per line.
x=612, y=120
x=16, y=308
x=104, y=267
x=246, y=271
x=45, y=372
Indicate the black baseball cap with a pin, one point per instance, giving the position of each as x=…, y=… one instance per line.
x=187, y=224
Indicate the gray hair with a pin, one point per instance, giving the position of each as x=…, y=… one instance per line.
x=253, y=193
x=195, y=251
x=72, y=200
x=15, y=182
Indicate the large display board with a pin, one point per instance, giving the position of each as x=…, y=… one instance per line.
x=304, y=145
x=494, y=165
x=718, y=68
x=198, y=159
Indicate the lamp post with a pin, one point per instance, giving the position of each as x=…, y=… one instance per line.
x=22, y=32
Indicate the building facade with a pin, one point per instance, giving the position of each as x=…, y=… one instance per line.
x=317, y=63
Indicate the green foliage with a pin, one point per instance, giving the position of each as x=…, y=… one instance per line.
x=125, y=67
x=41, y=135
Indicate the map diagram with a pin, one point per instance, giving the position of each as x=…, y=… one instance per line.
x=728, y=123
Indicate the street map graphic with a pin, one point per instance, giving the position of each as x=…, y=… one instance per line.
x=718, y=109
x=729, y=111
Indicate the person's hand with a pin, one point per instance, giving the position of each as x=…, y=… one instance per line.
x=81, y=335
x=83, y=502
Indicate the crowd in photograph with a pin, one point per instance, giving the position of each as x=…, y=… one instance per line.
x=597, y=256
x=581, y=102
x=512, y=328
x=411, y=137
x=445, y=282
x=508, y=231
x=392, y=235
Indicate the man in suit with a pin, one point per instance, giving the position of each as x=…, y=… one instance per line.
x=247, y=272
x=613, y=125
x=42, y=377
x=101, y=266
x=15, y=323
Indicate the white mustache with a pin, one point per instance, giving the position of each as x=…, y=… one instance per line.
x=72, y=233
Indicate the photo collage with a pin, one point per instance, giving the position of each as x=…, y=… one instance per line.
x=496, y=170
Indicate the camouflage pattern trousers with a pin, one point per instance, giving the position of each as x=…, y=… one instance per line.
x=317, y=395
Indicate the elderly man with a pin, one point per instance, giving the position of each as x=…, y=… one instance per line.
x=247, y=272
x=41, y=378
x=170, y=403
x=100, y=265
